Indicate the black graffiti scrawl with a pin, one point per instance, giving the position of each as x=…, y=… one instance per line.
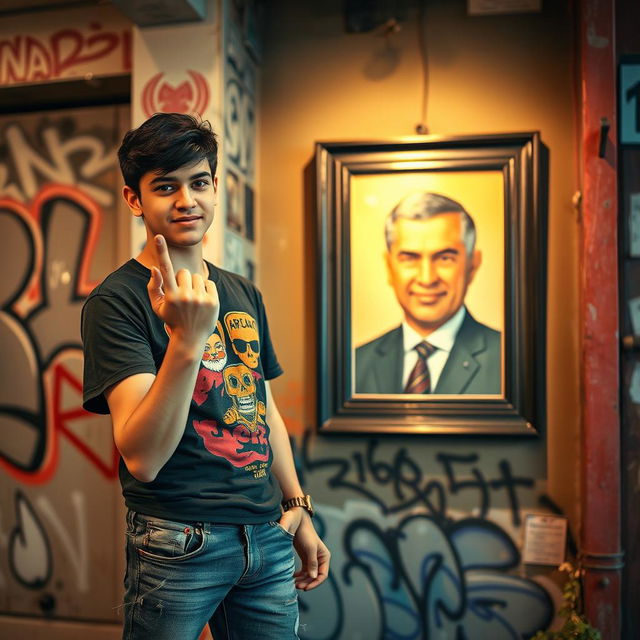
x=406, y=563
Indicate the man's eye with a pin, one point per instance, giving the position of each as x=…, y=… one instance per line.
x=164, y=188
x=200, y=184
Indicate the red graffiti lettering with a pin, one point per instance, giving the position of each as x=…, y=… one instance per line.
x=82, y=49
x=58, y=412
x=60, y=422
x=29, y=59
x=238, y=445
x=32, y=294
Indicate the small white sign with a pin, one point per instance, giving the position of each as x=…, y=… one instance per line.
x=629, y=101
x=634, y=225
x=496, y=7
x=545, y=539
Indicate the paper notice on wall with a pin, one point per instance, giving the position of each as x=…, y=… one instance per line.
x=634, y=225
x=634, y=385
x=545, y=539
x=496, y=7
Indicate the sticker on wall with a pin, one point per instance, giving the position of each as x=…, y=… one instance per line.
x=629, y=101
x=634, y=314
x=233, y=199
x=545, y=539
x=188, y=96
x=234, y=253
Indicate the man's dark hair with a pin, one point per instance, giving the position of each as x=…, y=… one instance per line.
x=165, y=142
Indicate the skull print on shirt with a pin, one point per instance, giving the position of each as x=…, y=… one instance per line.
x=241, y=436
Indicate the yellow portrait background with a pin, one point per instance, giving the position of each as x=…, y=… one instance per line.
x=374, y=307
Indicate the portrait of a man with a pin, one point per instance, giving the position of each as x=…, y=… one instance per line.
x=439, y=347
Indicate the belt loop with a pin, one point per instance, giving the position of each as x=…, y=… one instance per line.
x=131, y=516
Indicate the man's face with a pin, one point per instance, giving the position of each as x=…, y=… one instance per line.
x=429, y=269
x=214, y=357
x=178, y=205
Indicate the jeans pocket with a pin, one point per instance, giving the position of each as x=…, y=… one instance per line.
x=169, y=541
x=276, y=525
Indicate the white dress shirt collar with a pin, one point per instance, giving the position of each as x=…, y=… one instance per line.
x=442, y=338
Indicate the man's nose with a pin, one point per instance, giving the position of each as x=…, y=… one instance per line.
x=185, y=199
x=427, y=273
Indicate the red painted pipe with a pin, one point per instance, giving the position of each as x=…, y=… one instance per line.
x=600, y=490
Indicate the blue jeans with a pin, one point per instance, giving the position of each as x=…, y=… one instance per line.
x=182, y=575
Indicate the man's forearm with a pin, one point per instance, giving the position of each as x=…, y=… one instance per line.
x=150, y=435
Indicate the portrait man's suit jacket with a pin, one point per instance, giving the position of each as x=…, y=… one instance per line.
x=473, y=366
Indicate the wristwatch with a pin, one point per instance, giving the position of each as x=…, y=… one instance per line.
x=302, y=501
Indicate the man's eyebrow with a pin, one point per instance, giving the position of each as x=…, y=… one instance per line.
x=170, y=178
x=446, y=251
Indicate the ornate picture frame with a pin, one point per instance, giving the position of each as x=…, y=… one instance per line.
x=469, y=213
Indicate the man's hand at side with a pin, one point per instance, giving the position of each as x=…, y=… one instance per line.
x=313, y=553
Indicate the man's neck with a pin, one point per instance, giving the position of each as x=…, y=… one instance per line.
x=426, y=330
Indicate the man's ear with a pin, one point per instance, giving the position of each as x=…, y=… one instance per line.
x=133, y=200
x=387, y=261
x=476, y=261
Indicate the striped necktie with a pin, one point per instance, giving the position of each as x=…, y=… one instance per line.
x=419, y=378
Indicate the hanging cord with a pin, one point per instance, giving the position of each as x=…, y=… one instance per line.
x=421, y=127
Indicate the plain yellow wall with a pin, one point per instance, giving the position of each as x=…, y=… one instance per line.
x=485, y=75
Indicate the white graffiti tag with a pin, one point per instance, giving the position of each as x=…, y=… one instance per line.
x=59, y=164
x=29, y=552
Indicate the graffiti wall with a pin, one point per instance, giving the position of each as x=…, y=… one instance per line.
x=59, y=499
x=423, y=547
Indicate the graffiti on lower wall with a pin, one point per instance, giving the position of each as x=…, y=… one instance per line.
x=408, y=560
x=57, y=213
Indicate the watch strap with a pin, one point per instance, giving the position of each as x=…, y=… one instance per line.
x=298, y=501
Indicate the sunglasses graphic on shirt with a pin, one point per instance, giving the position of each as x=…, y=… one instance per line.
x=241, y=345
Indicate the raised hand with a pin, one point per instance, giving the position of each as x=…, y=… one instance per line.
x=186, y=302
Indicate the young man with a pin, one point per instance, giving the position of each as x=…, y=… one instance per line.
x=178, y=352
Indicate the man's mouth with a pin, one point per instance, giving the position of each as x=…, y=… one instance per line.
x=187, y=219
x=428, y=298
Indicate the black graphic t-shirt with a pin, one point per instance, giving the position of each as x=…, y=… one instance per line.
x=220, y=471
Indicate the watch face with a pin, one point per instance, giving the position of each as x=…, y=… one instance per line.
x=308, y=505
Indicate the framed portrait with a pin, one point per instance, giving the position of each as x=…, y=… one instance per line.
x=432, y=285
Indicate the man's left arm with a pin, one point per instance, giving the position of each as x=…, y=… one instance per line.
x=312, y=551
